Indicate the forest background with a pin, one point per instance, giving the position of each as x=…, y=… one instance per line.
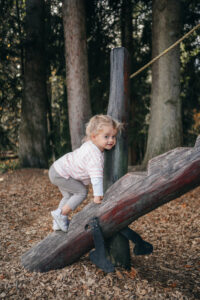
x=39, y=116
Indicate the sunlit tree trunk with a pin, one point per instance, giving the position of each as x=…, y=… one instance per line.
x=76, y=69
x=33, y=129
x=165, y=129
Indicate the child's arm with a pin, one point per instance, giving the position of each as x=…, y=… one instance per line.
x=97, y=185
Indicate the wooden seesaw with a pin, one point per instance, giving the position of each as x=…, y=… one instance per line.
x=168, y=176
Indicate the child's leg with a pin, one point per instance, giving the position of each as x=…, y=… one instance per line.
x=64, y=200
x=73, y=191
x=61, y=182
x=78, y=192
x=60, y=206
x=55, y=178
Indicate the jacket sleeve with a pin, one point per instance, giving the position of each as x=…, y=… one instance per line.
x=97, y=185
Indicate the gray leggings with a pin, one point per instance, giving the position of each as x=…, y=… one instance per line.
x=73, y=191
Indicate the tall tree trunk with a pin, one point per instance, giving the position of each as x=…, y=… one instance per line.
x=165, y=129
x=116, y=160
x=50, y=124
x=126, y=24
x=79, y=109
x=127, y=42
x=33, y=128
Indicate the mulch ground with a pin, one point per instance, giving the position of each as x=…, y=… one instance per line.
x=171, y=272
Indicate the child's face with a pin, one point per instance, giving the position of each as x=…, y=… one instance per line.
x=105, y=138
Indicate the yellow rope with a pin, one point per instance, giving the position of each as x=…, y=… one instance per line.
x=165, y=51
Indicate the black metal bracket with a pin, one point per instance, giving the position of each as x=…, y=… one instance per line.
x=141, y=247
x=98, y=256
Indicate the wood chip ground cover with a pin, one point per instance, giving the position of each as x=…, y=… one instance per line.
x=171, y=272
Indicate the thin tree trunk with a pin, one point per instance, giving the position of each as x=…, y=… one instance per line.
x=127, y=42
x=33, y=128
x=20, y=36
x=165, y=129
x=50, y=123
x=126, y=25
x=79, y=109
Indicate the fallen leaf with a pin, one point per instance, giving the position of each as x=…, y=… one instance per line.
x=132, y=273
x=173, y=284
x=30, y=188
x=119, y=275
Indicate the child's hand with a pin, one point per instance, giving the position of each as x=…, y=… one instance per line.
x=97, y=199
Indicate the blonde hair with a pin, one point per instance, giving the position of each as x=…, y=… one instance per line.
x=97, y=122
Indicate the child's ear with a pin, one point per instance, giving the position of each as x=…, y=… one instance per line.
x=93, y=135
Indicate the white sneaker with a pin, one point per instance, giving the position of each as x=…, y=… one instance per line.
x=60, y=219
x=55, y=226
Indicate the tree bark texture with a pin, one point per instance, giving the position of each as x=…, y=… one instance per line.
x=165, y=129
x=76, y=69
x=116, y=160
x=168, y=176
x=33, y=128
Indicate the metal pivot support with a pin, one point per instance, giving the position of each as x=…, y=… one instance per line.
x=98, y=256
x=141, y=247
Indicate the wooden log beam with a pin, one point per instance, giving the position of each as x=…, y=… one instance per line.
x=168, y=176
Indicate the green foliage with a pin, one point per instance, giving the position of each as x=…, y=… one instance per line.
x=59, y=137
x=8, y=165
x=140, y=85
x=10, y=72
x=99, y=44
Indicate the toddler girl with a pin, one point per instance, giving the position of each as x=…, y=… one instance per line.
x=75, y=170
